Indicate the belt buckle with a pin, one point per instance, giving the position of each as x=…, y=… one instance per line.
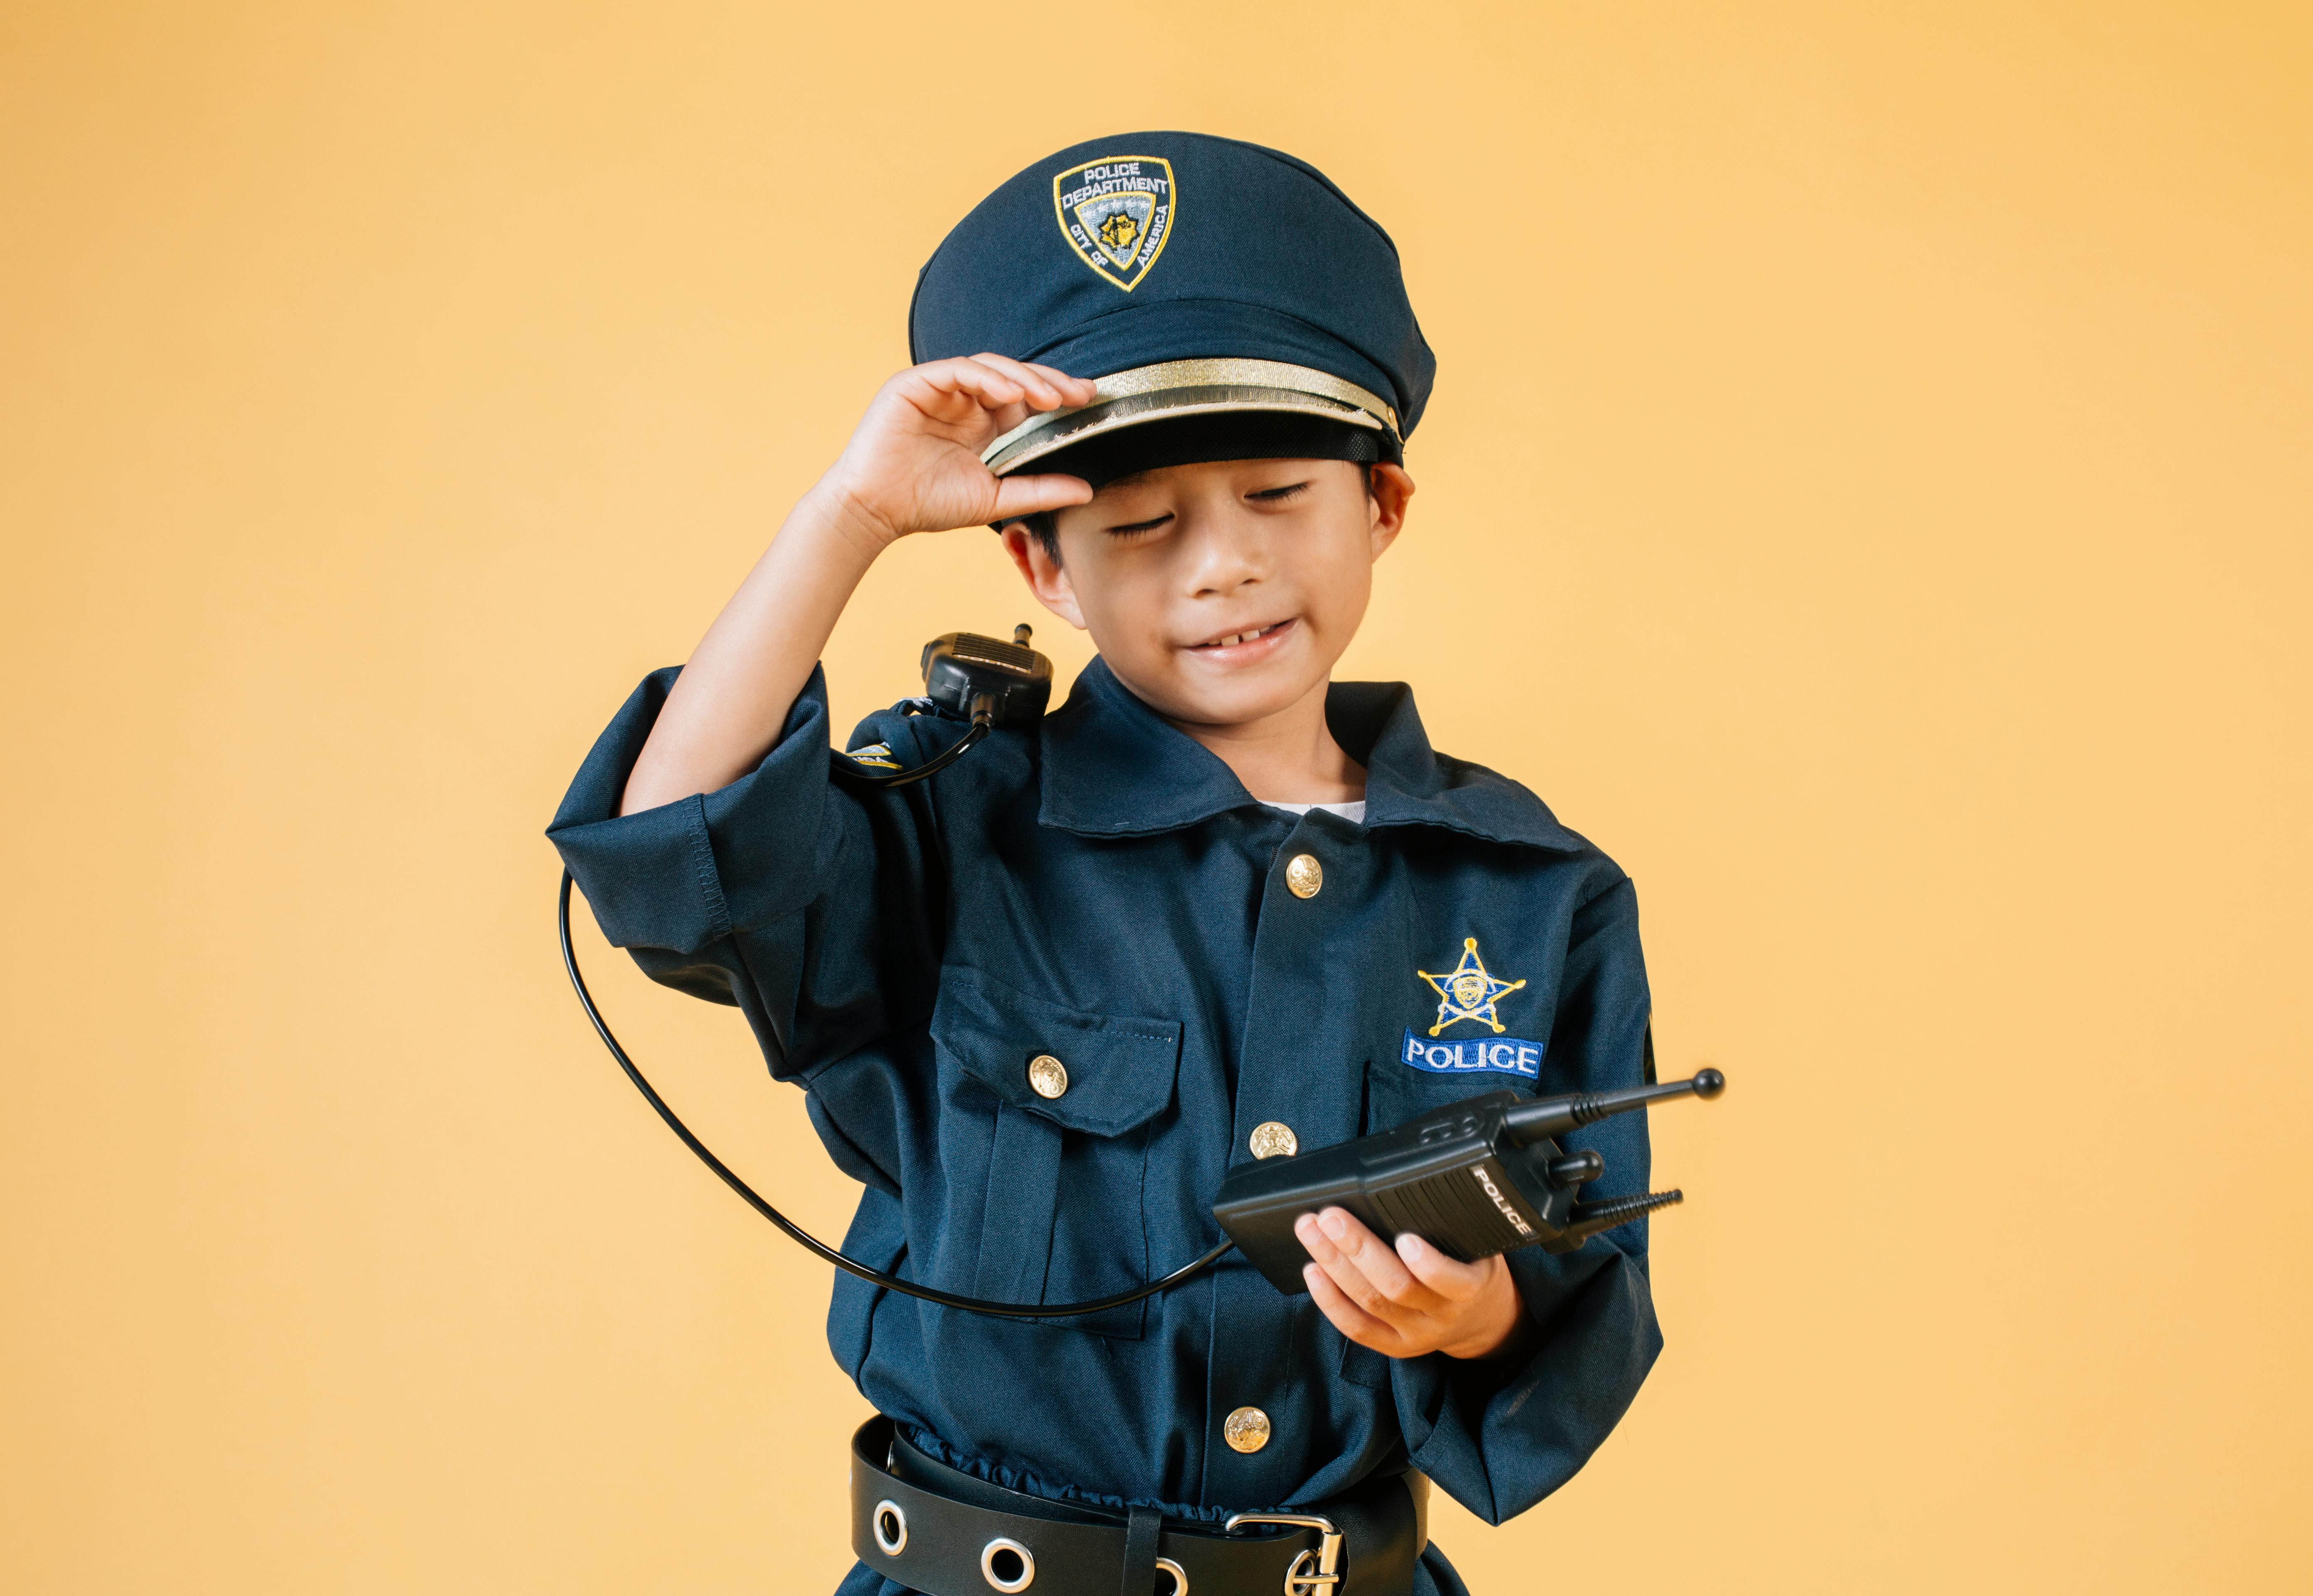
x=1302, y=1579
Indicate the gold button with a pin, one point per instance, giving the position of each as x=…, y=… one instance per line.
x=1048, y=1075
x=1247, y=1429
x=1303, y=875
x=1273, y=1139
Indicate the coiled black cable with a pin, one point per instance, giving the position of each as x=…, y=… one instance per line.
x=981, y=720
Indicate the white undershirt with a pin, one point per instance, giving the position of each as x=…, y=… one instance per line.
x=1354, y=809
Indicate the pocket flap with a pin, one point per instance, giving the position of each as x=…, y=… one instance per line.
x=1120, y=1067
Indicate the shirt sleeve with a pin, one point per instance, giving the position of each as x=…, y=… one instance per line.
x=1499, y=1439
x=812, y=906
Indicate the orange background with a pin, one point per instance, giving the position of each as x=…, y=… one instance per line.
x=1867, y=490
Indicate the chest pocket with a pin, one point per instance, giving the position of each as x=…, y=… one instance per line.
x=1068, y=1100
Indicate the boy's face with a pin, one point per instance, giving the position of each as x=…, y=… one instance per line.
x=1221, y=594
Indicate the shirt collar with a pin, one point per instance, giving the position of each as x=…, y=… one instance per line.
x=1113, y=767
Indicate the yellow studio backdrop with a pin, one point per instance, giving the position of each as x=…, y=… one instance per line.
x=1867, y=490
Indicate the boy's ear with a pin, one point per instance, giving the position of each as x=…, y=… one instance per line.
x=1389, y=490
x=1045, y=576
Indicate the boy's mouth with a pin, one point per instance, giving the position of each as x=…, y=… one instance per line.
x=1241, y=639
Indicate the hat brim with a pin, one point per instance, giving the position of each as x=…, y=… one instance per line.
x=1179, y=389
x=1199, y=436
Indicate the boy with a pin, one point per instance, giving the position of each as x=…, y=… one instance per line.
x=1216, y=907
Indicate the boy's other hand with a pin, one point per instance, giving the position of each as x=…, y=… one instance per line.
x=913, y=463
x=1410, y=1299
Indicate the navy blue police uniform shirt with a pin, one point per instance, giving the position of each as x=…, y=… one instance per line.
x=1103, y=890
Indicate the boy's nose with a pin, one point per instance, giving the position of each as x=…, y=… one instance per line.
x=1228, y=551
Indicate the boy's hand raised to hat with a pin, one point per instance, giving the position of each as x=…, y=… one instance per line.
x=912, y=466
x=913, y=463
x=1410, y=1299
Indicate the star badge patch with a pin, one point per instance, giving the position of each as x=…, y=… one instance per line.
x=1116, y=213
x=1467, y=991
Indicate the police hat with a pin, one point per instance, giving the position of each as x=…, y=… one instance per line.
x=1228, y=301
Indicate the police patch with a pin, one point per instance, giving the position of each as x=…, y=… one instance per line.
x=1469, y=991
x=1116, y=213
x=1499, y=1055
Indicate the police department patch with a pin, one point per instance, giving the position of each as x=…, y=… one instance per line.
x=1116, y=213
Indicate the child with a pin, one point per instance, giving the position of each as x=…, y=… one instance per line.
x=1216, y=907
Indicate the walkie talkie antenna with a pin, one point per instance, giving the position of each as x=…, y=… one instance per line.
x=1590, y=1218
x=1530, y=1122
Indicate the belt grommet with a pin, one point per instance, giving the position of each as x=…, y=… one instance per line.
x=893, y=1541
x=1180, y=1577
x=1004, y=1551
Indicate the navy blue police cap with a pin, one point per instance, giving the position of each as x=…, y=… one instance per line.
x=1228, y=301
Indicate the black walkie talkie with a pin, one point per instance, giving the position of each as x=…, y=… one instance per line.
x=1473, y=1179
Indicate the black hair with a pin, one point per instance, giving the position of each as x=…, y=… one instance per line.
x=1044, y=526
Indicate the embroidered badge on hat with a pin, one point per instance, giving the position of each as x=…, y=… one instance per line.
x=1116, y=213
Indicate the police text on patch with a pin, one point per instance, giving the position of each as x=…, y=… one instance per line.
x=1501, y=1055
x=1116, y=213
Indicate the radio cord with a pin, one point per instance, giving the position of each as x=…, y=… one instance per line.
x=982, y=719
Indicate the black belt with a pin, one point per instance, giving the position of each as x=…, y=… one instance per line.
x=943, y=1532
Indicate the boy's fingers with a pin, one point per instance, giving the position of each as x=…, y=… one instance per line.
x=1036, y=386
x=1033, y=389
x=1450, y=1278
x=1347, y=1317
x=1025, y=495
x=993, y=386
x=1376, y=1262
x=1336, y=1266
x=1040, y=380
x=1078, y=391
x=1368, y=1273
x=984, y=383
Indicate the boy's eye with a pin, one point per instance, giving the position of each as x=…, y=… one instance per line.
x=1131, y=528
x=1277, y=496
